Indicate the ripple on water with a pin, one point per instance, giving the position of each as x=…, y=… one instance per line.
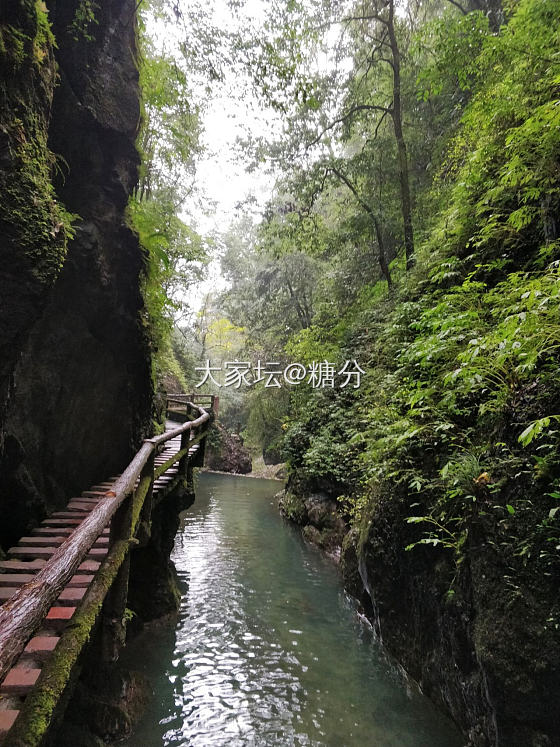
x=268, y=650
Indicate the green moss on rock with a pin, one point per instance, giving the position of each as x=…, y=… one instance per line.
x=292, y=507
x=35, y=228
x=41, y=703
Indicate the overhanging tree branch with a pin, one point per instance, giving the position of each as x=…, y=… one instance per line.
x=353, y=110
x=464, y=11
x=374, y=219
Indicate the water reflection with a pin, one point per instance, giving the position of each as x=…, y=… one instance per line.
x=268, y=649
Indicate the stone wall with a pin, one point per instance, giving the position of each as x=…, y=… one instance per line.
x=78, y=365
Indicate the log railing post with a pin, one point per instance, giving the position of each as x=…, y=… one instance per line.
x=113, y=625
x=121, y=523
x=184, y=461
x=198, y=460
x=24, y=613
x=145, y=524
x=113, y=631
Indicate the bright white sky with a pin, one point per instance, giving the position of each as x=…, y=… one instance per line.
x=222, y=180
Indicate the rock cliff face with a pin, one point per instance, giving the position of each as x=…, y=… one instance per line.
x=227, y=453
x=487, y=653
x=317, y=514
x=76, y=385
x=32, y=230
x=479, y=638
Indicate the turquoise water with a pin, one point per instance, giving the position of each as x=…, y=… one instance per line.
x=268, y=649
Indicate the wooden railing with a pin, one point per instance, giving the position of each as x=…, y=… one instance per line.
x=208, y=401
x=124, y=506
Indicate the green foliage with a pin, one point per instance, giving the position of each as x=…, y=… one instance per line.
x=457, y=413
x=84, y=20
x=266, y=411
x=169, y=138
x=34, y=221
x=175, y=253
x=455, y=43
x=293, y=507
x=535, y=429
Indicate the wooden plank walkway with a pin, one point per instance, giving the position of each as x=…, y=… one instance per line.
x=31, y=554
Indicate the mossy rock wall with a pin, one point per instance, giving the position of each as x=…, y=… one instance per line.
x=33, y=226
x=78, y=364
x=482, y=650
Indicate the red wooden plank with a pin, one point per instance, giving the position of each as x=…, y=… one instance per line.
x=81, y=580
x=40, y=646
x=52, y=531
x=7, y=592
x=97, y=552
x=38, y=541
x=70, y=521
x=70, y=596
x=19, y=681
x=57, y=617
x=7, y=719
x=15, y=579
x=21, y=566
x=88, y=566
x=31, y=552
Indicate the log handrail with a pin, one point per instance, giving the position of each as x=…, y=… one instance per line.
x=21, y=615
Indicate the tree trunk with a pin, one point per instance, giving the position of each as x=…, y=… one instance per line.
x=376, y=224
x=396, y=114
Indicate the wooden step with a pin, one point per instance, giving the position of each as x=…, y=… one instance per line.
x=39, y=541
x=6, y=593
x=57, y=531
x=57, y=617
x=15, y=579
x=37, y=551
x=19, y=681
x=21, y=566
x=52, y=531
x=70, y=597
x=65, y=515
x=88, y=566
x=97, y=552
x=70, y=520
x=7, y=720
x=83, y=579
x=19, y=579
x=41, y=646
x=32, y=552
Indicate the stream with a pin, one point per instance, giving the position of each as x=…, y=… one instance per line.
x=268, y=649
